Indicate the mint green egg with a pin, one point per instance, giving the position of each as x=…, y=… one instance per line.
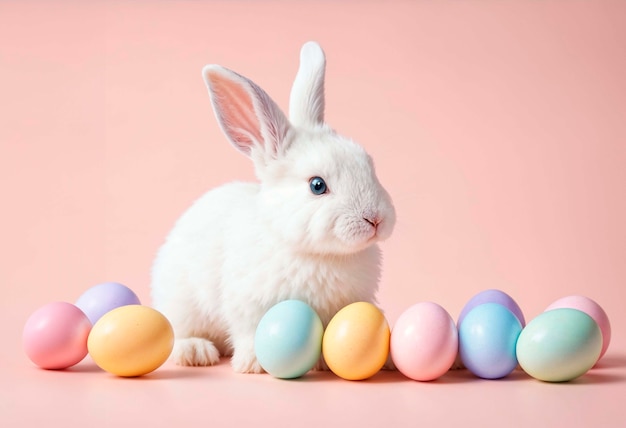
x=559, y=345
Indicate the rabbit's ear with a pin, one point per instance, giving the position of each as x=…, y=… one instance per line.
x=247, y=115
x=306, y=103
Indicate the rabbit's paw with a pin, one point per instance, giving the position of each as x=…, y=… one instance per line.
x=195, y=351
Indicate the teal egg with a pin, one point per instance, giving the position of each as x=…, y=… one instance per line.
x=288, y=340
x=559, y=345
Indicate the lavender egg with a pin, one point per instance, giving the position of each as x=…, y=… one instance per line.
x=103, y=298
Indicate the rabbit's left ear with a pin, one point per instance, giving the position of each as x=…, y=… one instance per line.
x=248, y=116
x=306, y=103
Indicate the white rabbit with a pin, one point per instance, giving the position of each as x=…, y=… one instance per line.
x=307, y=231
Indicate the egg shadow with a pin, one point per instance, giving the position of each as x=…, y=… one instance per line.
x=85, y=367
x=383, y=376
x=164, y=374
x=173, y=373
x=388, y=377
x=611, y=362
x=591, y=378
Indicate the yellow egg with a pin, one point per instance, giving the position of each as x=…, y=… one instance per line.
x=131, y=340
x=356, y=342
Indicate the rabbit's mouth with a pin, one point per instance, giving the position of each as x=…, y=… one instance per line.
x=378, y=226
x=373, y=226
x=361, y=233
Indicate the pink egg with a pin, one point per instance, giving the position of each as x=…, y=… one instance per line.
x=591, y=308
x=55, y=336
x=424, y=342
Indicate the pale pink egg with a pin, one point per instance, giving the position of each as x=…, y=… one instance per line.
x=424, y=342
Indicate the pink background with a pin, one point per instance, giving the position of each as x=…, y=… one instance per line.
x=499, y=128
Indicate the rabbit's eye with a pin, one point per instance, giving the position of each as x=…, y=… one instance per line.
x=318, y=186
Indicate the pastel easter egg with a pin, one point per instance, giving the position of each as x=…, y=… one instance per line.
x=55, y=336
x=559, y=345
x=102, y=298
x=131, y=340
x=487, y=340
x=424, y=342
x=356, y=341
x=288, y=339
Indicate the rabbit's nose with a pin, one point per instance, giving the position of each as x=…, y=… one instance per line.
x=373, y=220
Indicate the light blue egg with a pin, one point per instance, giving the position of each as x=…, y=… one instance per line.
x=559, y=345
x=487, y=339
x=288, y=340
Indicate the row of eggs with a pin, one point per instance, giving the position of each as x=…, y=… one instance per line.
x=107, y=322
x=490, y=338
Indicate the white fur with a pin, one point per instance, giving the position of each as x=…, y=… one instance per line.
x=306, y=102
x=243, y=247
